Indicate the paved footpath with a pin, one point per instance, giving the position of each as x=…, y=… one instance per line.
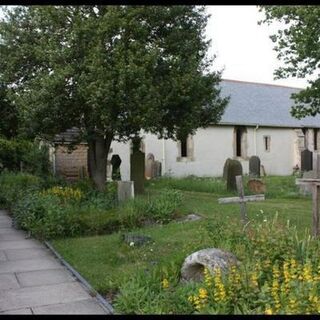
x=33, y=281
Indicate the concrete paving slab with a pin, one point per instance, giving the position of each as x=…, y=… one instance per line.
x=31, y=253
x=4, y=213
x=8, y=281
x=12, y=236
x=29, y=265
x=8, y=230
x=5, y=218
x=20, y=244
x=41, y=296
x=3, y=257
x=18, y=311
x=44, y=277
x=79, y=307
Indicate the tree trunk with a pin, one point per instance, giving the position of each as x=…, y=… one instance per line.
x=97, y=160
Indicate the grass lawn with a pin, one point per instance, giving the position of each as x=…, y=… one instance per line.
x=106, y=262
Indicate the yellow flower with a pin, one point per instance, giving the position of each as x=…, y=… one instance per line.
x=268, y=310
x=165, y=283
x=203, y=293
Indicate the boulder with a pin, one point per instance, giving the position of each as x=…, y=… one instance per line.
x=211, y=258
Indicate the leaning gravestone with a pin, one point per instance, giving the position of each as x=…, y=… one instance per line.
x=137, y=164
x=306, y=160
x=211, y=258
x=233, y=169
x=254, y=167
x=125, y=190
x=226, y=164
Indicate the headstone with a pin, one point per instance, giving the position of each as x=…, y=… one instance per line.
x=256, y=186
x=233, y=169
x=306, y=160
x=125, y=190
x=149, y=166
x=226, y=164
x=157, y=169
x=306, y=189
x=211, y=258
x=254, y=167
x=135, y=240
x=116, y=162
x=137, y=164
x=190, y=217
x=109, y=170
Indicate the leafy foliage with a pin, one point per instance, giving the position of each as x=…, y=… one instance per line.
x=110, y=71
x=297, y=45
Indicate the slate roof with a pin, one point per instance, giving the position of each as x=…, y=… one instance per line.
x=68, y=136
x=261, y=104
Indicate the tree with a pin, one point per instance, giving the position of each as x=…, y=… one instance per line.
x=8, y=116
x=298, y=46
x=110, y=71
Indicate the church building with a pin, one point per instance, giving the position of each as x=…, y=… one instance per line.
x=256, y=121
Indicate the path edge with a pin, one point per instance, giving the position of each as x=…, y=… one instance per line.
x=103, y=302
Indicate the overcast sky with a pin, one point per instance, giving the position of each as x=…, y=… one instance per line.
x=243, y=48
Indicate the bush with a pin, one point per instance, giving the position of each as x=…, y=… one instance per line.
x=43, y=216
x=29, y=156
x=15, y=186
x=159, y=209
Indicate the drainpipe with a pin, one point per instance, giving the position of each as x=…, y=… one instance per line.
x=255, y=139
x=163, y=156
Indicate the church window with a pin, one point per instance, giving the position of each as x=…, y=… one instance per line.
x=266, y=142
x=315, y=139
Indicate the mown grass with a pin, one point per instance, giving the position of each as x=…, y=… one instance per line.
x=106, y=262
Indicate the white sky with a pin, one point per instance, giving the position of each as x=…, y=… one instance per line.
x=243, y=47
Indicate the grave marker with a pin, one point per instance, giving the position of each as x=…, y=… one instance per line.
x=254, y=167
x=125, y=190
x=242, y=199
x=314, y=184
x=306, y=160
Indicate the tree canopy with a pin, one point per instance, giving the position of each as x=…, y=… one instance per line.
x=298, y=46
x=110, y=71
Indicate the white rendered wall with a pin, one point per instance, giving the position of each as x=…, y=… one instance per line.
x=212, y=146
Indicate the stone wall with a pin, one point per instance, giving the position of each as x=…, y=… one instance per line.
x=70, y=164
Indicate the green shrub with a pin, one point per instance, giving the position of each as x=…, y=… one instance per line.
x=161, y=208
x=43, y=216
x=15, y=186
x=30, y=157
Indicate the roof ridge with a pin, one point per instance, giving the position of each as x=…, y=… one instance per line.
x=262, y=83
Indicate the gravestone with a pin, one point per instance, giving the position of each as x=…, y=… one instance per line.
x=116, y=162
x=306, y=160
x=125, y=190
x=137, y=165
x=233, y=169
x=135, y=239
x=256, y=185
x=254, y=167
x=157, y=169
x=226, y=164
x=149, y=166
x=306, y=189
x=211, y=258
